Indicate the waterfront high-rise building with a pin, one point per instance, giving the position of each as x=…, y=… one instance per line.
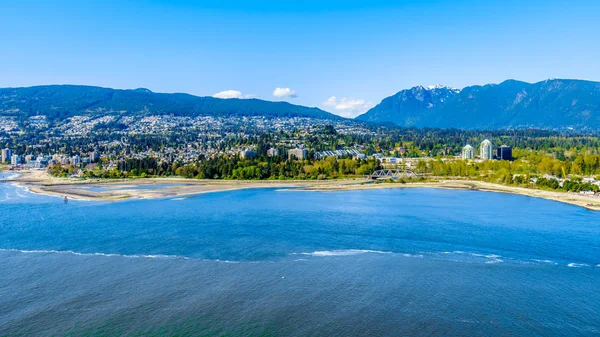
x=504, y=152
x=6, y=155
x=486, y=151
x=94, y=157
x=15, y=160
x=467, y=152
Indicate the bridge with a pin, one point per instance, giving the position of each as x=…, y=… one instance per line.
x=392, y=173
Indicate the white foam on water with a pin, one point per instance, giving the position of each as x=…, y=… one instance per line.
x=494, y=261
x=544, y=261
x=52, y=251
x=577, y=265
x=466, y=257
x=217, y=260
x=343, y=252
x=11, y=176
x=494, y=258
x=290, y=189
x=15, y=191
x=158, y=256
x=420, y=256
x=21, y=191
x=146, y=256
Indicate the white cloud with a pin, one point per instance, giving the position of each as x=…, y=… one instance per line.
x=284, y=92
x=228, y=94
x=347, y=107
x=232, y=94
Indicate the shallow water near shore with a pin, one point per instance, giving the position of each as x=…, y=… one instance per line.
x=371, y=262
x=112, y=187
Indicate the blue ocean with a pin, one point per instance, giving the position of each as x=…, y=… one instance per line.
x=284, y=262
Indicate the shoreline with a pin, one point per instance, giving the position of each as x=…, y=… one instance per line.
x=156, y=188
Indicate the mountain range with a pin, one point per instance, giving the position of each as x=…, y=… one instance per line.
x=58, y=102
x=555, y=104
x=550, y=104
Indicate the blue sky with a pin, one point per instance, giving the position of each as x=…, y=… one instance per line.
x=342, y=56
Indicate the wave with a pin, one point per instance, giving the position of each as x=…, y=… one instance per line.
x=493, y=258
x=15, y=191
x=342, y=252
x=494, y=261
x=131, y=256
x=544, y=261
x=462, y=256
x=487, y=259
x=23, y=189
x=291, y=189
x=420, y=256
x=52, y=251
x=447, y=255
x=577, y=265
x=9, y=176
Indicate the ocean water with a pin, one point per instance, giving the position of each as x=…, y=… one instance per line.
x=291, y=263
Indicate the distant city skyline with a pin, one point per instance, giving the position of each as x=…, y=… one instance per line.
x=340, y=56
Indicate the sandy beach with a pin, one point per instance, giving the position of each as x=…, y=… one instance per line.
x=150, y=188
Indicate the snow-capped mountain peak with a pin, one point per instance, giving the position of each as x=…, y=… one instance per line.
x=439, y=86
